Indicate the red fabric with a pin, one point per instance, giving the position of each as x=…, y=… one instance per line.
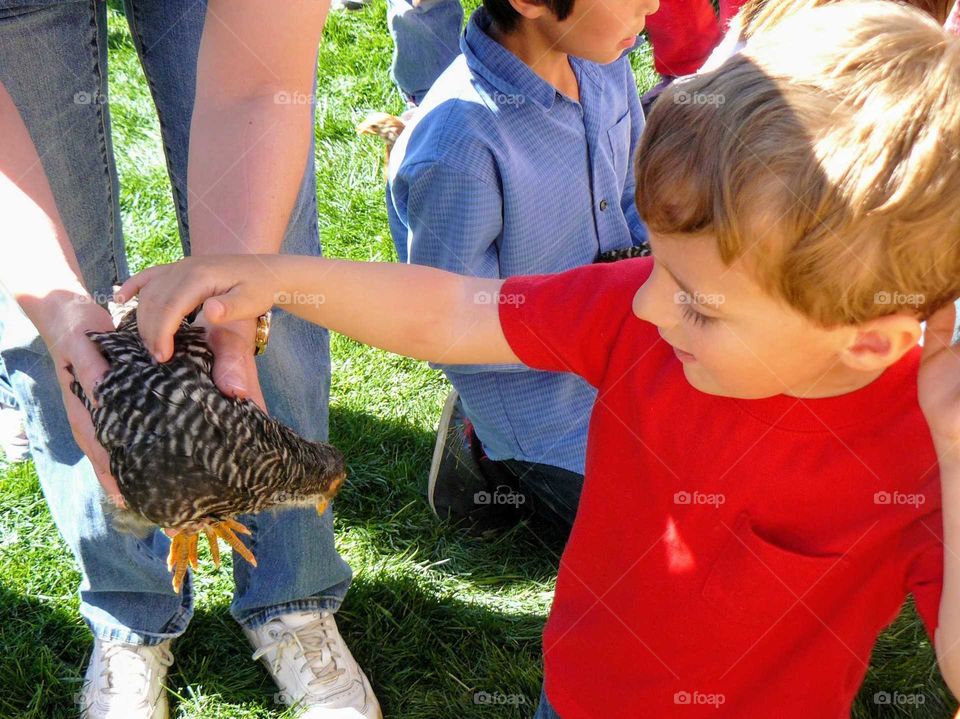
x=764, y=604
x=684, y=33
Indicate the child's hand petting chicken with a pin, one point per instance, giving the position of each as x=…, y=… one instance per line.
x=231, y=287
x=938, y=383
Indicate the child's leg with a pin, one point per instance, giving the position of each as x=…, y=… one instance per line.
x=554, y=490
x=426, y=38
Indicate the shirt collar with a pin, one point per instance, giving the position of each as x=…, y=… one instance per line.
x=505, y=71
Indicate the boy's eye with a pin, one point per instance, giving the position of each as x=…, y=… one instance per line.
x=696, y=317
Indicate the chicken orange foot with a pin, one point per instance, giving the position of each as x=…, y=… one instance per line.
x=183, y=547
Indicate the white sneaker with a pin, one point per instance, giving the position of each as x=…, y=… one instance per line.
x=125, y=681
x=313, y=667
x=13, y=437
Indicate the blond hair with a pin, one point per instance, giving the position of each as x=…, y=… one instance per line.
x=827, y=153
x=759, y=15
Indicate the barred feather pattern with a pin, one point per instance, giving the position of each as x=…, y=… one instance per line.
x=626, y=253
x=182, y=452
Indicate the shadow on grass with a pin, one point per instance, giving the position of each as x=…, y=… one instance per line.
x=43, y=648
x=385, y=496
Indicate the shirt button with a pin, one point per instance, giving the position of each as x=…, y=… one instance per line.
x=603, y=205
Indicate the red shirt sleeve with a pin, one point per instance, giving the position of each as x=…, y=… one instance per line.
x=925, y=574
x=569, y=322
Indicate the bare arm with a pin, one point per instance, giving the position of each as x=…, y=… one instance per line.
x=252, y=122
x=947, y=643
x=249, y=143
x=938, y=385
x=411, y=310
x=40, y=270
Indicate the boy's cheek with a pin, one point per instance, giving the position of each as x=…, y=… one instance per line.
x=702, y=380
x=726, y=373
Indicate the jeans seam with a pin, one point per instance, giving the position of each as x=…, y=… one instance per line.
x=102, y=86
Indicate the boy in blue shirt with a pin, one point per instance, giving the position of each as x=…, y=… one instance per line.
x=518, y=161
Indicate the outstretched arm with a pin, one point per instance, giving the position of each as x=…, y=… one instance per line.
x=415, y=311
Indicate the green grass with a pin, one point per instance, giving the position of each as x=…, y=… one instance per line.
x=433, y=616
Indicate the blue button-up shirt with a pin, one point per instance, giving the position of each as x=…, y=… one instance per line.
x=499, y=174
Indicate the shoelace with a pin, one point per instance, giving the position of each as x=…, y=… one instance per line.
x=315, y=642
x=128, y=661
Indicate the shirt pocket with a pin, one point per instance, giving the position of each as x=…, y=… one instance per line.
x=619, y=138
x=756, y=582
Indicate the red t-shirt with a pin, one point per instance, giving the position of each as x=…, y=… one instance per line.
x=730, y=558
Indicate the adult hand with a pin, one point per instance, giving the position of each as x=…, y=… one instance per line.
x=234, y=368
x=70, y=348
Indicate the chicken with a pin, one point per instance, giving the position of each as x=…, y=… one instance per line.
x=386, y=126
x=190, y=459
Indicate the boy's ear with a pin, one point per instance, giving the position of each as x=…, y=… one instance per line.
x=530, y=9
x=879, y=343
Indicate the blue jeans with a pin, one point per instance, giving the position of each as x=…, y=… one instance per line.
x=544, y=710
x=53, y=59
x=426, y=40
x=7, y=397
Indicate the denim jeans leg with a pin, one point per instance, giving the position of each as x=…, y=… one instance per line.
x=426, y=40
x=7, y=397
x=298, y=566
x=53, y=63
x=544, y=710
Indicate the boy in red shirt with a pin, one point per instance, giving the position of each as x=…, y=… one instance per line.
x=762, y=485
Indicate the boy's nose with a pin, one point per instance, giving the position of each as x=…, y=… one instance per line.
x=653, y=305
